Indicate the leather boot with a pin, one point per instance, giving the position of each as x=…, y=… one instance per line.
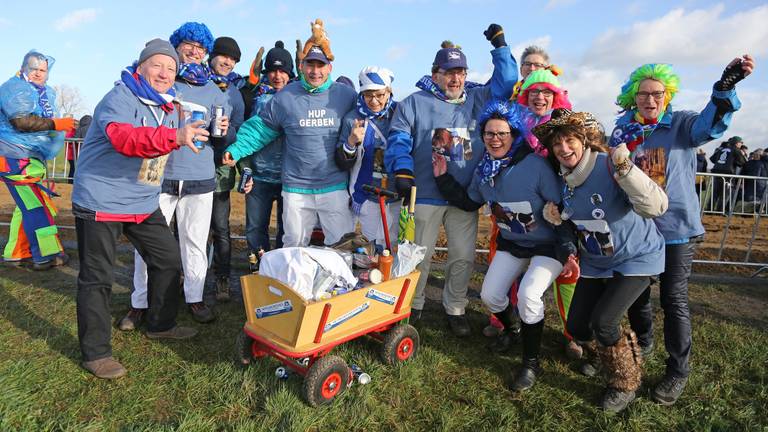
x=511, y=333
x=526, y=376
x=622, y=365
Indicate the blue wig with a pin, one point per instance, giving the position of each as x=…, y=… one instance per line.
x=193, y=32
x=515, y=114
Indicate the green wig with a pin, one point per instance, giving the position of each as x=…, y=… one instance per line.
x=660, y=72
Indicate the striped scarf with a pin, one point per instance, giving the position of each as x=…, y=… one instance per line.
x=42, y=99
x=428, y=85
x=195, y=73
x=144, y=92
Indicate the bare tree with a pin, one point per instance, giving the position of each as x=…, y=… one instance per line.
x=69, y=100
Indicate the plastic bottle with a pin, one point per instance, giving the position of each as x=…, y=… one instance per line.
x=385, y=264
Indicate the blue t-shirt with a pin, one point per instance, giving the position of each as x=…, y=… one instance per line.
x=107, y=181
x=668, y=156
x=612, y=237
x=185, y=164
x=521, y=191
x=311, y=123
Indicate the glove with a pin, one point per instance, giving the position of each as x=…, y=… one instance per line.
x=403, y=183
x=620, y=158
x=627, y=134
x=63, y=124
x=731, y=75
x=495, y=34
x=256, y=67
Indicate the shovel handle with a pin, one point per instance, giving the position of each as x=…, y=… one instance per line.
x=412, y=204
x=379, y=191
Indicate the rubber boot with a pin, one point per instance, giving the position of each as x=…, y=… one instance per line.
x=526, y=376
x=622, y=365
x=511, y=333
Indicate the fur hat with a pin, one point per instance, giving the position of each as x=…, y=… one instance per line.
x=562, y=117
x=278, y=58
x=546, y=78
x=375, y=78
x=158, y=46
x=193, y=32
x=227, y=46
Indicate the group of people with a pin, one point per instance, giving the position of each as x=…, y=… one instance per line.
x=733, y=157
x=612, y=215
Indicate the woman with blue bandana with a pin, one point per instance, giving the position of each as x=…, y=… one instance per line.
x=515, y=183
x=362, y=142
x=663, y=143
x=610, y=204
x=30, y=134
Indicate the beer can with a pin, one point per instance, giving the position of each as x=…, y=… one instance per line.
x=244, y=177
x=282, y=373
x=361, y=377
x=197, y=115
x=218, y=113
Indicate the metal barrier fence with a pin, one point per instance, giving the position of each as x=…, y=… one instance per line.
x=723, y=195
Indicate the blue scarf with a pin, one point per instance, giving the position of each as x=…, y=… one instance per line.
x=195, y=73
x=490, y=167
x=225, y=81
x=142, y=90
x=42, y=99
x=426, y=84
x=365, y=172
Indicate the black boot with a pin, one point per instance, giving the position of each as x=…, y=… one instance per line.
x=526, y=376
x=511, y=333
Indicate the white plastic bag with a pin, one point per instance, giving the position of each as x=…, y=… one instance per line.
x=297, y=267
x=409, y=255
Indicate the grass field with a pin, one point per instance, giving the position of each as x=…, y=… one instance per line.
x=451, y=385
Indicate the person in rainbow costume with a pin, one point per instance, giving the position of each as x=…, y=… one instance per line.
x=30, y=134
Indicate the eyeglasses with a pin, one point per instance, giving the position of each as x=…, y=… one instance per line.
x=543, y=92
x=381, y=97
x=194, y=47
x=488, y=135
x=454, y=72
x=531, y=64
x=658, y=95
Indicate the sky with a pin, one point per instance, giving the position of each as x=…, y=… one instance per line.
x=596, y=43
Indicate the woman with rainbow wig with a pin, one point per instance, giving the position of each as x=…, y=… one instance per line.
x=663, y=144
x=527, y=244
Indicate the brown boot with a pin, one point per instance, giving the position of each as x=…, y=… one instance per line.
x=622, y=365
x=105, y=368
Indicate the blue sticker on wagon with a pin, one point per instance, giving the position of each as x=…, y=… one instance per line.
x=381, y=296
x=274, y=309
x=347, y=316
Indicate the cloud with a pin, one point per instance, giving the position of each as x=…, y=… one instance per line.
x=698, y=37
x=397, y=52
x=479, y=77
x=593, y=90
x=75, y=18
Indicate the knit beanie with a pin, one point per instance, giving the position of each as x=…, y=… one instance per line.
x=158, y=46
x=227, y=46
x=545, y=78
x=278, y=58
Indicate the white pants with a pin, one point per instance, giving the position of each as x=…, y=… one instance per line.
x=301, y=212
x=461, y=232
x=540, y=272
x=371, y=225
x=193, y=220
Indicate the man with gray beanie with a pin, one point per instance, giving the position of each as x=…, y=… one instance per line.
x=116, y=188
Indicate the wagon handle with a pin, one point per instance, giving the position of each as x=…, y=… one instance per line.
x=402, y=295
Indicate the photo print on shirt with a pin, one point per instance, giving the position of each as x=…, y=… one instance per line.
x=452, y=143
x=595, y=237
x=516, y=217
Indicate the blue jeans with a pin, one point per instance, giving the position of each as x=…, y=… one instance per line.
x=258, y=209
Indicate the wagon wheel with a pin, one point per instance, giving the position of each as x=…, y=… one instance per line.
x=327, y=379
x=400, y=344
x=246, y=349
